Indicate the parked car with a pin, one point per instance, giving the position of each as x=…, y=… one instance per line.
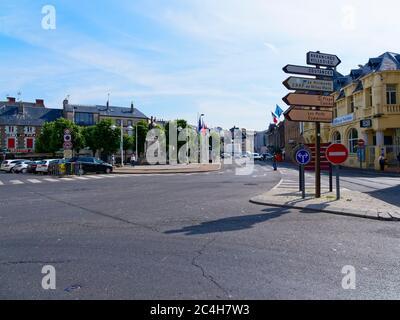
x=21, y=167
x=7, y=165
x=32, y=166
x=43, y=166
x=92, y=165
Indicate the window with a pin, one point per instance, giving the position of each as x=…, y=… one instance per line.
x=335, y=113
x=10, y=143
x=337, y=138
x=353, y=141
x=351, y=104
x=84, y=119
x=29, y=130
x=391, y=94
x=130, y=123
x=370, y=97
x=11, y=129
x=118, y=122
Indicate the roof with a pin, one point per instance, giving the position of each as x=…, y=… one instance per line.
x=105, y=111
x=388, y=61
x=33, y=115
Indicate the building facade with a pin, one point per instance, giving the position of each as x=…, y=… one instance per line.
x=21, y=123
x=367, y=107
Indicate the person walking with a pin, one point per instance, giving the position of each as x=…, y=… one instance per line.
x=382, y=162
x=275, y=162
x=133, y=160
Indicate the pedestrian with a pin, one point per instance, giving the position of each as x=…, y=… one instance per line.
x=382, y=162
x=275, y=162
x=133, y=160
x=398, y=158
x=283, y=154
x=113, y=160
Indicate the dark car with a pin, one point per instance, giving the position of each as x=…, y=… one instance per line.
x=32, y=166
x=91, y=165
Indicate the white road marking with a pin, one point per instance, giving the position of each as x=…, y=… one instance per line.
x=94, y=177
x=80, y=178
x=51, y=180
x=1, y=183
x=16, y=182
x=35, y=181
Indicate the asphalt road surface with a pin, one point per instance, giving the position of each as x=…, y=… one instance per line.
x=185, y=236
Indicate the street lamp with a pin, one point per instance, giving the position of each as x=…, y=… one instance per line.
x=121, y=145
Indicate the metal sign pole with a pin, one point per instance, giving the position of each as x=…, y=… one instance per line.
x=330, y=177
x=300, y=178
x=303, y=182
x=337, y=183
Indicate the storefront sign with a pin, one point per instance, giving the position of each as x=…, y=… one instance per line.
x=344, y=119
x=367, y=123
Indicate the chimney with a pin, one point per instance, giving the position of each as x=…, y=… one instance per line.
x=132, y=108
x=108, y=105
x=11, y=100
x=39, y=102
x=65, y=103
x=21, y=108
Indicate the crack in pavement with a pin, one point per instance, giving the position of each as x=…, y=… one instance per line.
x=204, y=274
x=99, y=213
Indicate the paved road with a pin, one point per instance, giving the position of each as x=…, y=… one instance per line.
x=184, y=236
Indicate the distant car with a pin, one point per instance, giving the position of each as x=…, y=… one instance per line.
x=7, y=165
x=43, y=166
x=254, y=156
x=92, y=165
x=267, y=156
x=21, y=167
x=226, y=155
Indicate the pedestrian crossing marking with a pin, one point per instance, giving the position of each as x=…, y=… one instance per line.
x=16, y=182
x=51, y=180
x=34, y=181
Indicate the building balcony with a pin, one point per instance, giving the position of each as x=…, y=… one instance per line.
x=391, y=109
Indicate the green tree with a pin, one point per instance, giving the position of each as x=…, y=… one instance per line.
x=108, y=139
x=129, y=142
x=51, y=138
x=142, y=129
x=90, y=138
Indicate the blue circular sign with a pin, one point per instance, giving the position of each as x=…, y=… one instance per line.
x=303, y=157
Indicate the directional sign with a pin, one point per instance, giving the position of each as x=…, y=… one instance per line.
x=297, y=83
x=323, y=59
x=295, y=99
x=308, y=71
x=337, y=153
x=303, y=115
x=303, y=157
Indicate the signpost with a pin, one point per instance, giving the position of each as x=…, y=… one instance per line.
x=309, y=100
x=303, y=115
x=308, y=84
x=68, y=146
x=303, y=157
x=361, y=151
x=337, y=154
x=308, y=71
x=323, y=59
x=306, y=96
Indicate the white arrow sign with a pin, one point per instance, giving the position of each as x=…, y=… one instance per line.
x=296, y=83
x=323, y=59
x=308, y=71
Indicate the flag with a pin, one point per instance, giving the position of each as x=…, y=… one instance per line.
x=274, y=117
x=278, y=111
x=199, y=126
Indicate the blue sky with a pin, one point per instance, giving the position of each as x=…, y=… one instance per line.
x=176, y=59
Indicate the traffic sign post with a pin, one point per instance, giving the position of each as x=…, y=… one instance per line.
x=361, y=151
x=337, y=154
x=303, y=157
x=305, y=96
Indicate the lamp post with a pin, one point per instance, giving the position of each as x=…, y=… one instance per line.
x=121, y=144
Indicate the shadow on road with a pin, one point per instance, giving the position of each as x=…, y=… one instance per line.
x=389, y=195
x=232, y=223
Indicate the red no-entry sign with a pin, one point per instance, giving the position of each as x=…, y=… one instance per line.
x=337, y=153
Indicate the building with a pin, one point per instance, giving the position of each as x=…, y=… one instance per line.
x=88, y=115
x=367, y=107
x=21, y=123
x=293, y=137
x=276, y=136
x=260, y=142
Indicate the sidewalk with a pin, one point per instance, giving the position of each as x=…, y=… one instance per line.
x=352, y=203
x=168, y=169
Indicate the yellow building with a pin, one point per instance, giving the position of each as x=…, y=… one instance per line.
x=367, y=107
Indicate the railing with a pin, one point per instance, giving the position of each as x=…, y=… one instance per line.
x=65, y=169
x=391, y=109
